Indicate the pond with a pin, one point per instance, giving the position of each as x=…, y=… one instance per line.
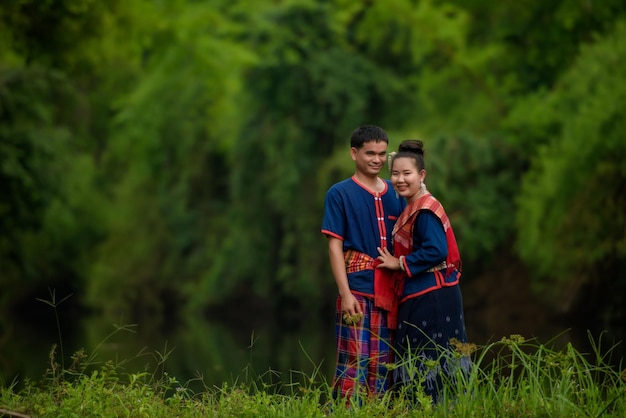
x=199, y=352
x=213, y=350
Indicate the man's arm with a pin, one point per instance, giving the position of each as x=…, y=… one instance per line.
x=349, y=304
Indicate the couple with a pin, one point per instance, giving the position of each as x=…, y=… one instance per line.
x=397, y=266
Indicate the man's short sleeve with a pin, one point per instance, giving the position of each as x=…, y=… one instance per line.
x=334, y=222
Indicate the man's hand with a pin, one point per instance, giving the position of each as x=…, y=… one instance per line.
x=350, y=306
x=351, y=309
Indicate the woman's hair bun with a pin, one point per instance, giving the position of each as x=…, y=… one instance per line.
x=412, y=145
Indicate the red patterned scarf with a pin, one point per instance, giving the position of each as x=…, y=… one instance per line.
x=387, y=283
x=403, y=230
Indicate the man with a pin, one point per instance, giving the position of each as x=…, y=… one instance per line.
x=359, y=214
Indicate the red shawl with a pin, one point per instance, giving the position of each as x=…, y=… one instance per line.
x=387, y=292
x=403, y=230
x=388, y=285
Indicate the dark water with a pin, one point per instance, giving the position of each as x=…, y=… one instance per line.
x=209, y=352
x=199, y=352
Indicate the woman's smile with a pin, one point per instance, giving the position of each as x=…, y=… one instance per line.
x=406, y=178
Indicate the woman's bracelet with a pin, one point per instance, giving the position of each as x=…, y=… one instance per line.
x=400, y=261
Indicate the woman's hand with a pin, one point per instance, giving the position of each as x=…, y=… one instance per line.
x=387, y=260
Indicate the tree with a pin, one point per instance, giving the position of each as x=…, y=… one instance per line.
x=571, y=216
x=167, y=166
x=56, y=93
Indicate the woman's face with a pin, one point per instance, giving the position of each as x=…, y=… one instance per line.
x=406, y=178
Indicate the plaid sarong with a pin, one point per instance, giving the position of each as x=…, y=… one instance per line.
x=363, y=353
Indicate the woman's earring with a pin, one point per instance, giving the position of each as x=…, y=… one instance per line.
x=390, y=160
x=423, y=186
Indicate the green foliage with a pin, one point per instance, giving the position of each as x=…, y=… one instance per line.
x=176, y=154
x=528, y=378
x=571, y=214
x=308, y=94
x=470, y=176
x=54, y=95
x=426, y=45
x=538, y=39
x=168, y=157
x=510, y=377
x=45, y=175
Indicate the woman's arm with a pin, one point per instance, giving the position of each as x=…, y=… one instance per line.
x=430, y=246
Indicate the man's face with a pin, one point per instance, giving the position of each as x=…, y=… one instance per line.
x=370, y=158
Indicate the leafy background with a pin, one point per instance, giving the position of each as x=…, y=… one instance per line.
x=172, y=156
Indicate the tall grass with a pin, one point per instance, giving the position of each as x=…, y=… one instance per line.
x=513, y=377
x=525, y=378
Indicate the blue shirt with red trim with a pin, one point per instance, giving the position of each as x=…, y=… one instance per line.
x=363, y=220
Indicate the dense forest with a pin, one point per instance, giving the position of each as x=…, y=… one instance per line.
x=159, y=155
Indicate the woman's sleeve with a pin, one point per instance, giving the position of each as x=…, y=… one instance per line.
x=430, y=247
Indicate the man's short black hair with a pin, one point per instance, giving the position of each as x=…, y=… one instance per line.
x=367, y=133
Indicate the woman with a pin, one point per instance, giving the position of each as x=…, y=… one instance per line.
x=430, y=313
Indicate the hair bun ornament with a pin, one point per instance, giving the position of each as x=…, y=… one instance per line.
x=390, y=159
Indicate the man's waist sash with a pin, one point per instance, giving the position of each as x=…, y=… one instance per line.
x=358, y=261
